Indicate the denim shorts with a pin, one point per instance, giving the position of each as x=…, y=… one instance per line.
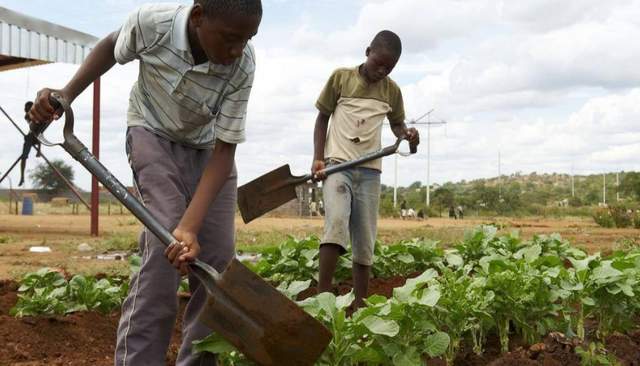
x=351, y=199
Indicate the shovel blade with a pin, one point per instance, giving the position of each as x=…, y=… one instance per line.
x=266, y=193
x=263, y=324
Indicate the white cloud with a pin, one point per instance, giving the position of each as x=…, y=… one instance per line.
x=547, y=84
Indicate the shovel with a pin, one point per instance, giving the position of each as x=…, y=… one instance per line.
x=278, y=187
x=263, y=324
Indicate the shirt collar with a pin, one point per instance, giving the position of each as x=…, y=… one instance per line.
x=179, y=37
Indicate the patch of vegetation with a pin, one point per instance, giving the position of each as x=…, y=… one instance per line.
x=120, y=241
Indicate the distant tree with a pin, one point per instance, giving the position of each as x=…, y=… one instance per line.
x=443, y=197
x=44, y=177
x=630, y=184
x=415, y=185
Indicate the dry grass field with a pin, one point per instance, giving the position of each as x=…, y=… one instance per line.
x=63, y=233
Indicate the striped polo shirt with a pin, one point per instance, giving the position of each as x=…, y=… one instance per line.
x=190, y=104
x=357, y=110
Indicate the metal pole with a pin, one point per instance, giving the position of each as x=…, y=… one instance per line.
x=11, y=194
x=604, y=189
x=617, y=186
x=65, y=180
x=95, y=148
x=395, y=183
x=573, y=189
x=428, y=160
x=499, y=177
x=10, y=169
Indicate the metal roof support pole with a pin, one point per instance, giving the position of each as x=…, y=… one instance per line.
x=95, y=149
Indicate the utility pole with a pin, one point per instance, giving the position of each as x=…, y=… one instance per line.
x=617, y=186
x=429, y=123
x=395, y=183
x=499, y=178
x=604, y=189
x=573, y=189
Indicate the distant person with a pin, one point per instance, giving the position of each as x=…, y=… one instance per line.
x=403, y=209
x=313, y=208
x=452, y=212
x=321, y=207
x=357, y=100
x=411, y=213
x=186, y=114
x=460, y=212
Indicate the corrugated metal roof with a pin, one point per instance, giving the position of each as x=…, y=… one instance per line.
x=27, y=41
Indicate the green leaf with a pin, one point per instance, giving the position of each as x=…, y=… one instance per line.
x=343, y=302
x=294, y=288
x=605, y=272
x=531, y=253
x=403, y=293
x=405, y=258
x=409, y=357
x=212, y=344
x=381, y=326
x=430, y=297
x=437, y=344
x=454, y=259
x=327, y=302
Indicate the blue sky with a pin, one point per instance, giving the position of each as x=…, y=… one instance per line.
x=550, y=85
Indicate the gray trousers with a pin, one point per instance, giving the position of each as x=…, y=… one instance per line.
x=166, y=175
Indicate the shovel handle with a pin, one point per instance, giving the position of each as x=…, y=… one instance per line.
x=38, y=128
x=81, y=153
x=363, y=159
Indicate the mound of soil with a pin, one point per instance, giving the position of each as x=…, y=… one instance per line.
x=78, y=339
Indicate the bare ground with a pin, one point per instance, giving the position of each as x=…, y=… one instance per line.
x=63, y=234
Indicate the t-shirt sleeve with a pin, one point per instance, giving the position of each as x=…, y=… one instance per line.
x=329, y=96
x=231, y=120
x=136, y=35
x=397, y=106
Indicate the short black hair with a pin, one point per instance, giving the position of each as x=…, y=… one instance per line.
x=228, y=7
x=387, y=40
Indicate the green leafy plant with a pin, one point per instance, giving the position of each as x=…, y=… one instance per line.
x=47, y=292
x=602, y=216
x=595, y=355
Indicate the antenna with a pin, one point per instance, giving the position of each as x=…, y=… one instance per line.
x=428, y=123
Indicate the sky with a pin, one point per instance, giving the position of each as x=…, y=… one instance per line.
x=523, y=86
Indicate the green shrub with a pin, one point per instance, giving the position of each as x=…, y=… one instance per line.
x=621, y=216
x=602, y=216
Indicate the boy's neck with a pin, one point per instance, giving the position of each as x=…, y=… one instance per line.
x=363, y=74
x=197, y=52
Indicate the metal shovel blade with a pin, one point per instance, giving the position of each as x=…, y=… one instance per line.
x=267, y=192
x=260, y=322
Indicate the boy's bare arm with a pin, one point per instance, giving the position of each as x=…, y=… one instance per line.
x=99, y=61
x=215, y=175
x=319, y=139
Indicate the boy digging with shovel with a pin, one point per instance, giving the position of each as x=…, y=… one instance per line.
x=357, y=99
x=186, y=114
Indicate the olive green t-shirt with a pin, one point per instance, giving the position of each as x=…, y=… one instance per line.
x=357, y=110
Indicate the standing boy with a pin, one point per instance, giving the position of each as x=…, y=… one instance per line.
x=186, y=114
x=357, y=99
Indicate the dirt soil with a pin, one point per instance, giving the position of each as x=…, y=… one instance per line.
x=89, y=338
x=78, y=339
